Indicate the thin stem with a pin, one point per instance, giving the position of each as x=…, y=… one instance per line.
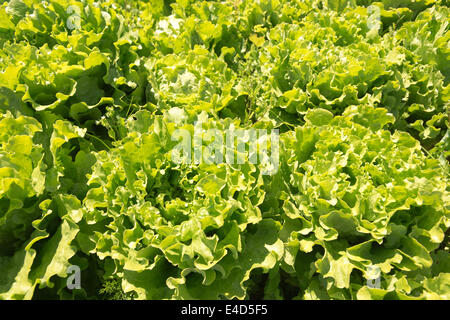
x=98, y=139
x=129, y=107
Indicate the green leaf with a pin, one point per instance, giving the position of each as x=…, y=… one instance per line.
x=210, y=185
x=319, y=117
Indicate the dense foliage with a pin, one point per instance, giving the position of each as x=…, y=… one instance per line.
x=91, y=93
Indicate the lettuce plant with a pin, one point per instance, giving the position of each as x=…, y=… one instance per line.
x=95, y=97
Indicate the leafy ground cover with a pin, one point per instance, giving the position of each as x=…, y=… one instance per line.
x=92, y=93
